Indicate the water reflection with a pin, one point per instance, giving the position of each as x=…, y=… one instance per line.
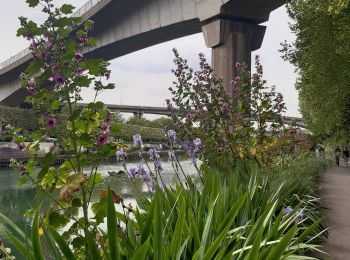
x=14, y=200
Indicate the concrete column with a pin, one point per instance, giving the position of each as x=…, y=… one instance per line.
x=139, y=114
x=231, y=42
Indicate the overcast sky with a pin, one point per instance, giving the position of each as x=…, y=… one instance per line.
x=143, y=77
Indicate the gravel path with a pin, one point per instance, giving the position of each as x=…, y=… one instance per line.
x=335, y=193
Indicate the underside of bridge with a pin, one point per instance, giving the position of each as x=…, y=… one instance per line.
x=230, y=27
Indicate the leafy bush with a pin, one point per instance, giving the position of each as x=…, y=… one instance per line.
x=236, y=124
x=149, y=134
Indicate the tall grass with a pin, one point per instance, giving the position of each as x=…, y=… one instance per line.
x=221, y=219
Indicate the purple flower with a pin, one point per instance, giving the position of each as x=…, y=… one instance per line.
x=20, y=146
x=287, y=210
x=193, y=158
x=82, y=38
x=138, y=140
x=132, y=172
x=59, y=80
x=171, y=155
x=49, y=42
x=197, y=142
x=238, y=78
x=51, y=122
x=140, y=167
x=54, y=70
x=79, y=57
x=226, y=108
x=108, y=121
x=172, y=135
x=31, y=85
x=142, y=173
x=191, y=148
x=120, y=154
x=188, y=146
x=153, y=154
x=79, y=72
x=158, y=165
x=257, y=57
x=150, y=185
x=238, y=65
x=42, y=70
x=102, y=139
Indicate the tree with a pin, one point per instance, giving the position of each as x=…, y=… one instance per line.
x=320, y=53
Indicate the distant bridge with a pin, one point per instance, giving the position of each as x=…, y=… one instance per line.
x=141, y=110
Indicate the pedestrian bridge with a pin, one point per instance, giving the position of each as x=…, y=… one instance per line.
x=230, y=27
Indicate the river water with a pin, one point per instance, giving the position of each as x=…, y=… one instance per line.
x=15, y=200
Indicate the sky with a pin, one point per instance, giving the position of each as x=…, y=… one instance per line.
x=143, y=77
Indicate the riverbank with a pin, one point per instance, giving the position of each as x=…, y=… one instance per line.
x=9, y=151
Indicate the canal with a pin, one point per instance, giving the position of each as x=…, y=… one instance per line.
x=15, y=200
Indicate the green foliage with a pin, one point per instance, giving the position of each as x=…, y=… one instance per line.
x=18, y=118
x=223, y=219
x=320, y=53
x=149, y=134
x=162, y=122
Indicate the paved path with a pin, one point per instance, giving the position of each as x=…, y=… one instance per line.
x=335, y=191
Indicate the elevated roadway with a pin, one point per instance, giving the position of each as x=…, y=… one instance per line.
x=230, y=27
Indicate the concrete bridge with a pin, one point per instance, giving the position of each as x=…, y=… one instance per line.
x=141, y=110
x=230, y=27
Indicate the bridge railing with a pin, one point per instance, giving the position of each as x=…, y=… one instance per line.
x=25, y=54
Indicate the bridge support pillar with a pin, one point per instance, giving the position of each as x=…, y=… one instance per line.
x=138, y=114
x=231, y=42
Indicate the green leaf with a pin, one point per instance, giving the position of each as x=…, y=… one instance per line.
x=76, y=202
x=111, y=226
x=34, y=67
x=32, y=3
x=61, y=242
x=55, y=105
x=11, y=224
x=177, y=236
x=93, y=65
x=71, y=47
x=231, y=215
x=182, y=248
x=18, y=244
x=157, y=229
x=67, y=9
x=91, y=41
x=37, y=135
x=94, y=254
x=207, y=228
x=116, y=128
x=254, y=252
x=54, y=250
x=147, y=226
x=142, y=251
x=279, y=249
x=56, y=219
x=38, y=253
